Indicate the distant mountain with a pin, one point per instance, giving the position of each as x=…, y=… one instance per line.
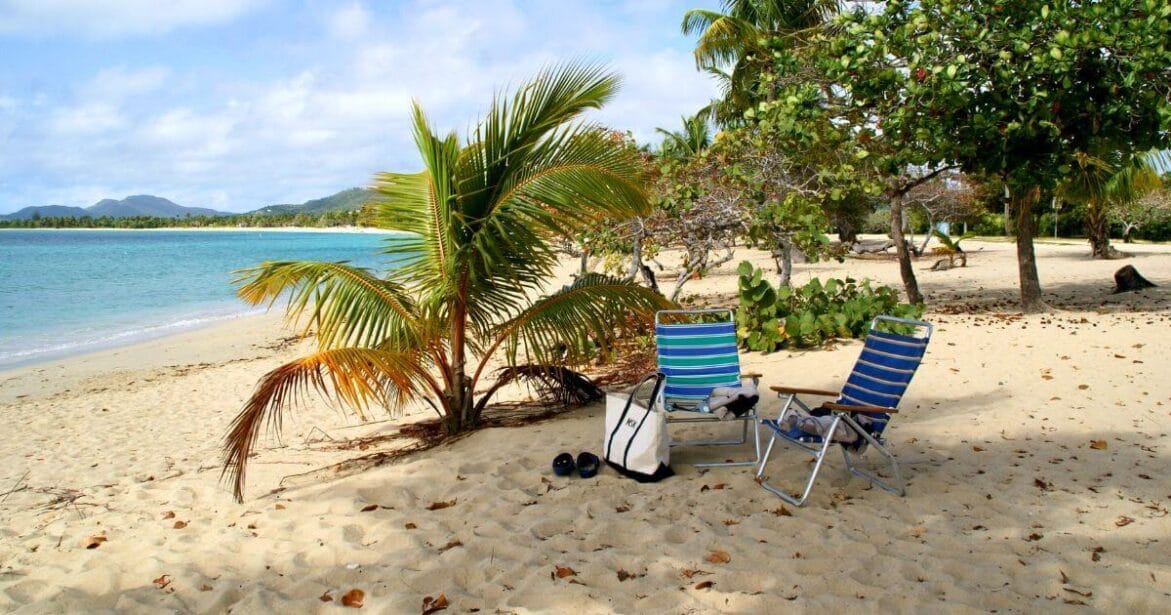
x=347, y=200
x=46, y=211
x=147, y=205
x=138, y=205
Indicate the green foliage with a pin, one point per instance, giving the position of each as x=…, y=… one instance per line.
x=769, y=318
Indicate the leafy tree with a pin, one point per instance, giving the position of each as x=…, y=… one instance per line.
x=1013, y=90
x=482, y=219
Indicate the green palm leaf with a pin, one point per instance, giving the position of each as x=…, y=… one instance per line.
x=350, y=306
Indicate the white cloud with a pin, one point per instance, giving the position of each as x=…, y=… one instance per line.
x=119, y=83
x=350, y=22
x=86, y=120
x=110, y=19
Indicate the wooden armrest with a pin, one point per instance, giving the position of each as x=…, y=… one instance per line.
x=753, y=375
x=798, y=390
x=829, y=405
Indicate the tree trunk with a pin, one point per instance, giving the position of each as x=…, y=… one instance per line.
x=1022, y=203
x=910, y=284
x=462, y=414
x=1098, y=230
x=1007, y=218
x=635, y=253
x=783, y=257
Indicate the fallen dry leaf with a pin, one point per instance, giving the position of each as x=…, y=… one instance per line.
x=1041, y=484
x=279, y=507
x=563, y=571
x=441, y=505
x=704, y=584
x=918, y=531
x=205, y=588
x=94, y=541
x=1096, y=553
x=1099, y=445
x=1034, y=537
x=410, y=526
x=354, y=598
x=162, y=581
x=450, y=545
x=369, y=507
x=1079, y=592
x=180, y=525
x=1123, y=521
x=718, y=557
x=431, y=605
x=1082, y=387
x=326, y=597
x=688, y=573
x=1064, y=579
x=170, y=514
x=781, y=511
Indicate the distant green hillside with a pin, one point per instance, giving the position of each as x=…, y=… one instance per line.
x=46, y=211
x=347, y=200
x=140, y=205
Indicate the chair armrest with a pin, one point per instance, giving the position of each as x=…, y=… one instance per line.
x=848, y=408
x=755, y=376
x=798, y=390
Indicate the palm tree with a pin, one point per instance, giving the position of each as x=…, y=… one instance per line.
x=683, y=144
x=739, y=37
x=1111, y=180
x=481, y=220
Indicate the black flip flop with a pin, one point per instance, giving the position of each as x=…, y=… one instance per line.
x=587, y=465
x=563, y=464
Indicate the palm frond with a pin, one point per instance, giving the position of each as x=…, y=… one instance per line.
x=354, y=376
x=348, y=305
x=558, y=326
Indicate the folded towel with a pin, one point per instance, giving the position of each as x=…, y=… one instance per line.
x=732, y=402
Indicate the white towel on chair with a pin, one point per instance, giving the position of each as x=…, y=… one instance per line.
x=720, y=397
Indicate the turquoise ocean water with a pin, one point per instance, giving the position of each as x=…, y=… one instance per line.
x=69, y=292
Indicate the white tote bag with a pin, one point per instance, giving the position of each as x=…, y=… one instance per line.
x=636, y=442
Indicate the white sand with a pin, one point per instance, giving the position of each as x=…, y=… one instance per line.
x=1008, y=504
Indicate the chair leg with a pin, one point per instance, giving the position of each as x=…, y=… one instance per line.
x=743, y=438
x=819, y=456
x=898, y=486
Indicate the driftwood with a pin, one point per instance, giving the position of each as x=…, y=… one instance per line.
x=870, y=247
x=1128, y=278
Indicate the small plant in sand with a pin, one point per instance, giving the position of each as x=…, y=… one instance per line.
x=770, y=318
x=482, y=220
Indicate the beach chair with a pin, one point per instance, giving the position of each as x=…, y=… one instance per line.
x=892, y=352
x=697, y=353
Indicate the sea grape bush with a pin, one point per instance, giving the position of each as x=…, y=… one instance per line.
x=770, y=318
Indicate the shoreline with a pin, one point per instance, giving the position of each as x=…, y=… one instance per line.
x=367, y=230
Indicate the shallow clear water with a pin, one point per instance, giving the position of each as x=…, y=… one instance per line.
x=68, y=292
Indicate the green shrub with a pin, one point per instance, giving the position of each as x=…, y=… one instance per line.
x=769, y=318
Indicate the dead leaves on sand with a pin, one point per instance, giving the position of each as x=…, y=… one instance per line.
x=1098, y=445
x=354, y=598
x=718, y=557
x=432, y=605
x=94, y=541
x=441, y=505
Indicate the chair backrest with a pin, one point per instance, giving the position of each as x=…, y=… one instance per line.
x=696, y=356
x=886, y=365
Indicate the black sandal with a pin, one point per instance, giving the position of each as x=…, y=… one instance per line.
x=563, y=464
x=587, y=465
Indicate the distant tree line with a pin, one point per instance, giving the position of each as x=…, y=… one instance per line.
x=249, y=220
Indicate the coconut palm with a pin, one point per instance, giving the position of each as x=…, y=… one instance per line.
x=1113, y=179
x=739, y=37
x=694, y=138
x=480, y=219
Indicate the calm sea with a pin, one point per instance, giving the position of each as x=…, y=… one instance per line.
x=68, y=292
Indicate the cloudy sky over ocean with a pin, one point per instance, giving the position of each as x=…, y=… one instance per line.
x=237, y=104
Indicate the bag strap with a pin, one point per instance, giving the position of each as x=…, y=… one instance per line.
x=651, y=408
x=626, y=409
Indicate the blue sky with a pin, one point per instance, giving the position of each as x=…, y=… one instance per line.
x=237, y=104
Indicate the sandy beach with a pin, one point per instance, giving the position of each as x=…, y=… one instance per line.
x=1036, y=450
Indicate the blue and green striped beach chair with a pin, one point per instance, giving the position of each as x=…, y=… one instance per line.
x=892, y=352
x=697, y=353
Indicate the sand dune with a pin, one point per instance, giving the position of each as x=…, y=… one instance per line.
x=1011, y=505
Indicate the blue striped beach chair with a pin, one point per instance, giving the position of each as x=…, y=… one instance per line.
x=697, y=353
x=864, y=405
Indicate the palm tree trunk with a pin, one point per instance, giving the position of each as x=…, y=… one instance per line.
x=910, y=284
x=1098, y=230
x=461, y=413
x=1031, y=302
x=783, y=257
